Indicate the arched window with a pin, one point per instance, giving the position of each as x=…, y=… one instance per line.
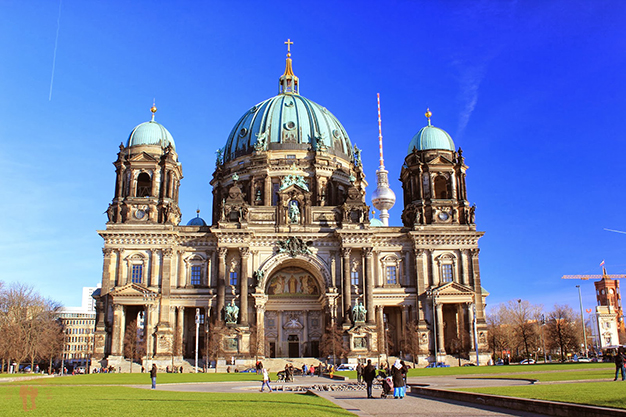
x=441, y=187
x=144, y=185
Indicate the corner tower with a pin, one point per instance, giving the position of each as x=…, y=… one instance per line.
x=148, y=177
x=433, y=181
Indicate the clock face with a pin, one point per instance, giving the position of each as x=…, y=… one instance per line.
x=140, y=214
x=444, y=216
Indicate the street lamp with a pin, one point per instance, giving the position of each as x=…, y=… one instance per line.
x=582, y=319
x=475, y=322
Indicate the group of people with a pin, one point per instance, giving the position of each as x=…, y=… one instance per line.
x=393, y=378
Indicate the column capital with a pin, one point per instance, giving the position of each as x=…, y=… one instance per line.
x=345, y=252
x=369, y=252
x=222, y=252
x=168, y=252
x=107, y=251
x=245, y=252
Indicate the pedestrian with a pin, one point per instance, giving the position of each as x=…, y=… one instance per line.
x=153, y=373
x=398, y=379
x=266, y=380
x=359, y=372
x=369, y=373
x=304, y=370
x=619, y=364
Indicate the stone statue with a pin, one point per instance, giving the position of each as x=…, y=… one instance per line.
x=357, y=156
x=358, y=312
x=219, y=159
x=473, y=214
x=258, y=275
x=232, y=312
x=294, y=212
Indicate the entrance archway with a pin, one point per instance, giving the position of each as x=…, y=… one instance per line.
x=294, y=317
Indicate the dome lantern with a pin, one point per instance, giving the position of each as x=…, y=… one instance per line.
x=288, y=82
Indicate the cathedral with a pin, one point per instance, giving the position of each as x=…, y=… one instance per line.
x=291, y=251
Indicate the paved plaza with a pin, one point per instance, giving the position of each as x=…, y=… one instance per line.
x=353, y=398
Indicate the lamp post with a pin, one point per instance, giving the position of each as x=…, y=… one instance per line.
x=198, y=322
x=582, y=319
x=543, y=339
x=475, y=321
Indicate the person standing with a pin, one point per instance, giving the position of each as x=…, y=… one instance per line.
x=266, y=380
x=619, y=364
x=153, y=373
x=359, y=372
x=369, y=373
x=397, y=372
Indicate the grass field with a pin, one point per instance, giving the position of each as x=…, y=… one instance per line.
x=141, y=379
x=123, y=401
x=605, y=394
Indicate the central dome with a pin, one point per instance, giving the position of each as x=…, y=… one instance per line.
x=287, y=121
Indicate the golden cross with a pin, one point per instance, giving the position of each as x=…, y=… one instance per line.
x=288, y=43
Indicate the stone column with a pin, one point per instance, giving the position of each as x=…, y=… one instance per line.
x=470, y=310
x=369, y=287
x=464, y=266
x=268, y=194
x=221, y=288
x=279, y=331
x=260, y=325
x=420, y=283
x=118, y=332
x=480, y=308
x=182, y=281
x=405, y=318
x=346, y=285
x=106, y=271
x=381, y=335
x=166, y=286
x=333, y=270
x=305, y=333
x=147, y=329
x=440, y=328
x=243, y=289
x=207, y=277
x=180, y=326
x=117, y=278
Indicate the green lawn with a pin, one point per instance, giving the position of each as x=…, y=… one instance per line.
x=606, y=394
x=141, y=379
x=122, y=401
x=561, y=376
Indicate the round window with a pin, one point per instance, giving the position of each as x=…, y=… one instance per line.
x=243, y=132
x=290, y=125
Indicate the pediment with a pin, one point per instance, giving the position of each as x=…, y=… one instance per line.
x=294, y=188
x=454, y=289
x=440, y=160
x=133, y=290
x=143, y=157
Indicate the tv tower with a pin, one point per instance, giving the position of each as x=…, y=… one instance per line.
x=383, y=197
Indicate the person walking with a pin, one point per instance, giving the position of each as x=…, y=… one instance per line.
x=359, y=372
x=619, y=364
x=153, y=373
x=397, y=372
x=266, y=380
x=369, y=373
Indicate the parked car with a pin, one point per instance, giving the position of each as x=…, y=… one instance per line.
x=469, y=364
x=437, y=365
x=584, y=359
x=527, y=362
x=346, y=367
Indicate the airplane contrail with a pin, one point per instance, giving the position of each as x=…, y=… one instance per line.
x=616, y=231
x=54, y=57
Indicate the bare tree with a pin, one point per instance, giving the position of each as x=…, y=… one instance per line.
x=216, y=346
x=563, y=329
x=134, y=343
x=410, y=341
x=500, y=332
x=332, y=343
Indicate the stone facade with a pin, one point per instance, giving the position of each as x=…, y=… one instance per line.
x=291, y=246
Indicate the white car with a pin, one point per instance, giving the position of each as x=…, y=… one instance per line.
x=527, y=362
x=346, y=367
x=584, y=359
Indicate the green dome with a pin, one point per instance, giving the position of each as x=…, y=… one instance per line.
x=431, y=137
x=151, y=133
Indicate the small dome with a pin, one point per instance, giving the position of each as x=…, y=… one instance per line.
x=286, y=121
x=151, y=133
x=196, y=221
x=376, y=223
x=431, y=137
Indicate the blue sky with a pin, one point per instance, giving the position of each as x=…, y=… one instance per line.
x=532, y=91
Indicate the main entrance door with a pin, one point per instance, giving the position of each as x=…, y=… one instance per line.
x=294, y=346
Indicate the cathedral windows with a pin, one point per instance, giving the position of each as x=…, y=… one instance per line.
x=446, y=273
x=136, y=274
x=144, y=185
x=391, y=275
x=233, y=278
x=441, y=187
x=196, y=275
x=355, y=278
x=447, y=266
x=391, y=269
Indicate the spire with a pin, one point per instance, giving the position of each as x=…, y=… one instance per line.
x=153, y=109
x=380, y=135
x=288, y=82
x=383, y=197
x=428, y=115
